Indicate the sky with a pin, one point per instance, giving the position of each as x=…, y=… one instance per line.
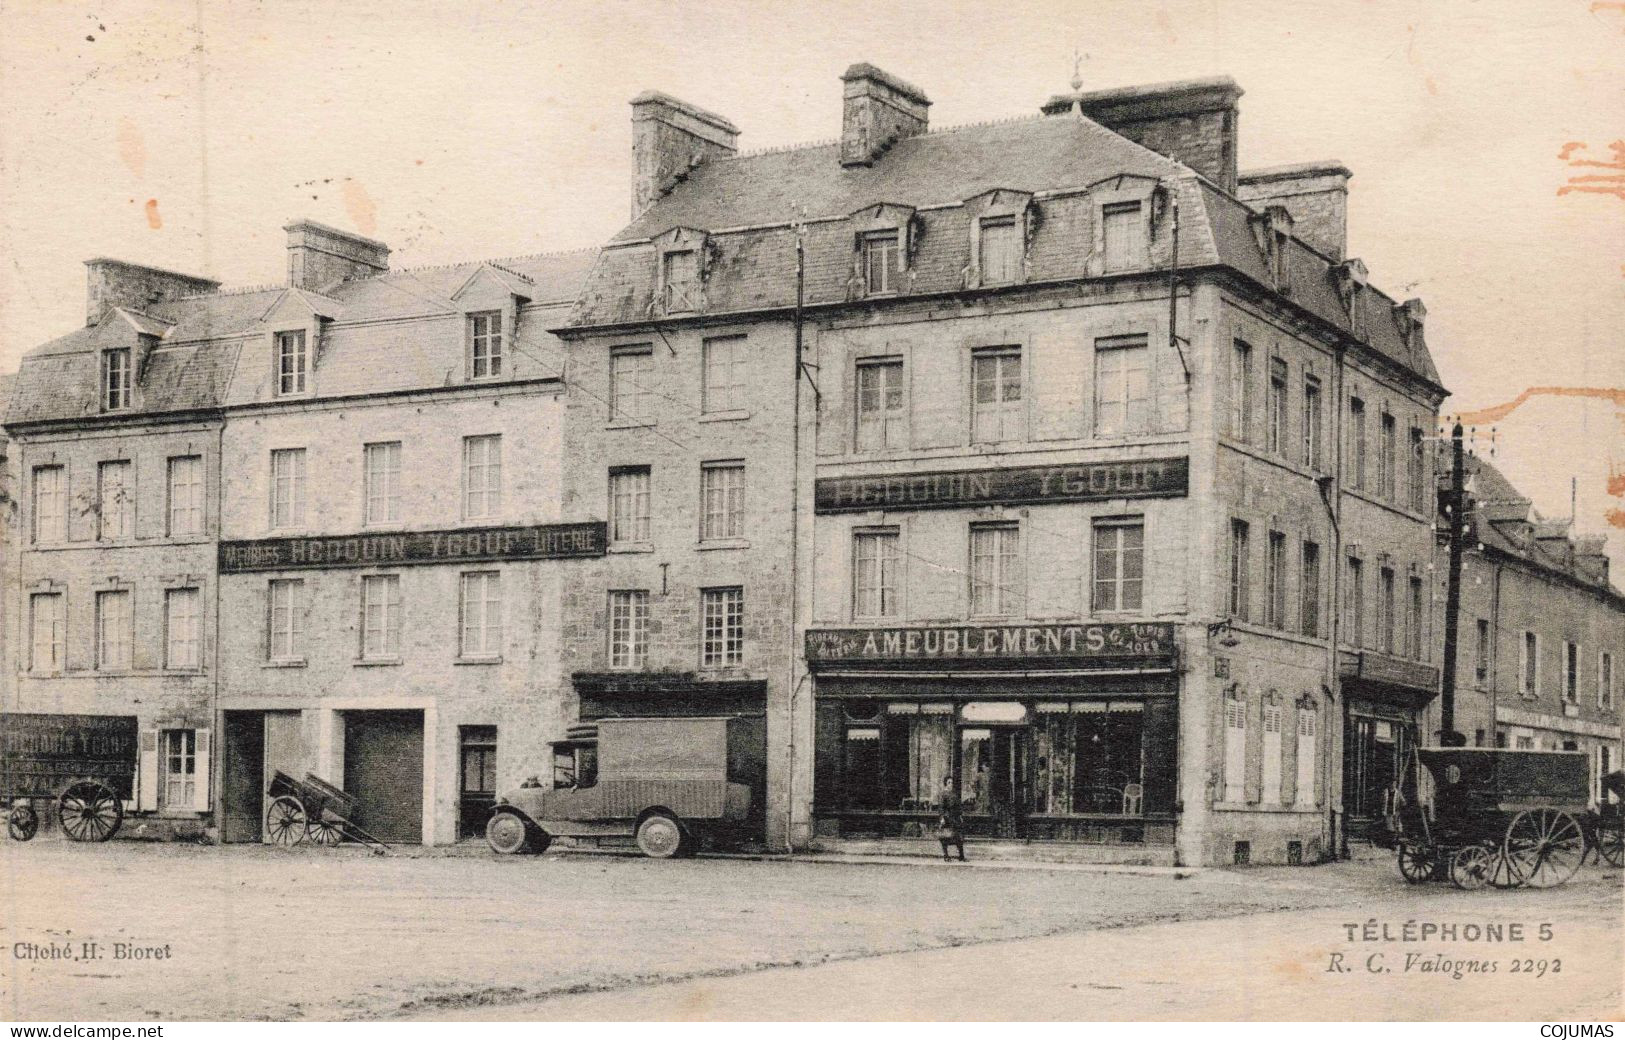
x=185, y=135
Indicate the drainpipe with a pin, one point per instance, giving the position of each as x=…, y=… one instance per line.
x=791, y=684
x=1495, y=653
x=1331, y=495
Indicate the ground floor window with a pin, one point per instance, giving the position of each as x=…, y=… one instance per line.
x=180, y=768
x=477, y=772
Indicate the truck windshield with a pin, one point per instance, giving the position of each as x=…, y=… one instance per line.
x=575, y=765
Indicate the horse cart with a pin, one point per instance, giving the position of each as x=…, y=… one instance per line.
x=316, y=809
x=1493, y=816
x=83, y=764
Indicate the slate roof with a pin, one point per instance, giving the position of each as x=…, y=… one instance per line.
x=1503, y=520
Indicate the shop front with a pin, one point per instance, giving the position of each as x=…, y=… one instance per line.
x=1046, y=732
x=1384, y=699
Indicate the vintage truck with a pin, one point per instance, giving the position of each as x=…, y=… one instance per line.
x=673, y=784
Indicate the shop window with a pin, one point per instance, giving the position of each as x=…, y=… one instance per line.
x=1119, y=564
x=881, y=405
x=1122, y=386
x=1089, y=757
x=997, y=411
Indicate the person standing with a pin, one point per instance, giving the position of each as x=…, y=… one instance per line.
x=951, y=824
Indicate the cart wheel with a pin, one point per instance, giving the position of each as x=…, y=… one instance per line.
x=1471, y=866
x=1545, y=847
x=1502, y=873
x=508, y=833
x=1416, y=862
x=1610, y=835
x=22, y=823
x=285, y=821
x=659, y=836
x=325, y=832
x=89, y=811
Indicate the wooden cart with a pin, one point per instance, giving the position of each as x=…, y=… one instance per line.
x=84, y=764
x=316, y=809
x=1493, y=816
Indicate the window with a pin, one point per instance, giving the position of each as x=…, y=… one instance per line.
x=1481, y=653
x=1270, y=793
x=1000, y=251
x=680, y=280
x=1529, y=666
x=1355, y=598
x=1385, y=609
x=381, y=479
x=722, y=616
x=485, y=344
x=1413, y=622
x=482, y=477
x=50, y=504
x=995, y=570
x=1277, y=416
x=113, y=631
x=380, y=617
x=876, y=569
x=1119, y=564
x=630, y=372
x=1275, y=581
x=1239, y=562
x=1416, y=475
x=115, y=501
x=1605, y=680
x=1357, y=443
x=722, y=498
x=1235, y=749
x=1311, y=422
x=1571, y=673
x=725, y=375
x=628, y=629
x=629, y=504
x=1241, y=382
x=180, y=768
x=477, y=777
x=287, y=487
x=48, y=625
x=880, y=262
x=1307, y=747
x=480, y=611
x=1525, y=743
x=181, y=618
x=1123, y=233
x=1309, y=590
x=292, y=362
x=1385, y=459
x=996, y=408
x=881, y=405
x=285, y=624
x=116, y=379
x=1122, y=386
x=185, y=495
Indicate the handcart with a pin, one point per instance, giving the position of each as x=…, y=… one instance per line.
x=316, y=809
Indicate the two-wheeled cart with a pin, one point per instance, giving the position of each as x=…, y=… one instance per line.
x=84, y=765
x=316, y=809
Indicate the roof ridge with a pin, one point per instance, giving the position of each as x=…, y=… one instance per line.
x=779, y=149
x=236, y=290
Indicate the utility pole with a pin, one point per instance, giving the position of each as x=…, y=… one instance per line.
x=1448, y=737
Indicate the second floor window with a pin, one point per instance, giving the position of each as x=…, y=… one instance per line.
x=482, y=477
x=876, y=569
x=1357, y=447
x=1529, y=666
x=480, y=613
x=999, y=248
x=1386, y=446
x=1309, y=590
x=117, y=379
x=185, y=495
x=113, y=631
x=880, y=259
x=1119, y=564
x=485, y=344
x=380, y=617
x=1278, y=435
x=1354, y=600
x=1275, y=580
x=181, y=629
x=50, y=504
x=48, y=641
x=997, y=412
x=287, y=487
x=1605, y=680
x=1571, y=673
x=292, y=363
x=1240, y=566
x=629, y=504
x=1385, y=610
x=1122, y=386
x=1241, y=391
x=1416, y=473
x=628, y=629
x=381, y=481
x=996, y=577
x=722, y=627
x=1123, y=235
x=881, y=408
x=629, y=374
x=115, y=500
x=722, y=500
x=1413, y=621
x=1311, y=423
x=285, y=619
x=1481, y=653
x=724, y=386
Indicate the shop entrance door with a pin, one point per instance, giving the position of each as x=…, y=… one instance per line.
x=1375, y=753
x=996, y=780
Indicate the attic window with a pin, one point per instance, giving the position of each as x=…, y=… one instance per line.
x=1124, y=236
x=880, y=259
x=680, y=280
x=292, y=363
x=485, y=345
x=1000, y=251
x=116, y=379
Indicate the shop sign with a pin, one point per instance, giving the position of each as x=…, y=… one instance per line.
x=1015, y=485
x=1396, y=671
x=461, y=545
x=41, y=754
x=1080, y=646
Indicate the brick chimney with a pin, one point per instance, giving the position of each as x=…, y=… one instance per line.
x=670, y=138
x=877, y=110
x=320, y=256
x=1190, y=121
x=114, y=283
x=1317, y=196
x=1591, y=557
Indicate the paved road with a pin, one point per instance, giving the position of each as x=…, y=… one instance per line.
x=288, y=934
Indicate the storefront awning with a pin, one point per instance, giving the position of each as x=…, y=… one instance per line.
x=1393, y=680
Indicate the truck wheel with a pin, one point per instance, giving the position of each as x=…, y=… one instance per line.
x=659, y=836
x=508, y=833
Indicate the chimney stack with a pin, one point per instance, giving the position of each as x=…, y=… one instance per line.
x=1317, y=196
x=877, y=110
x=320, y=256
x=114, y=283
x=670, y=138
x=1191, y=121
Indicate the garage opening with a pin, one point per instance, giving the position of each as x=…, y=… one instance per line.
x=383, y=769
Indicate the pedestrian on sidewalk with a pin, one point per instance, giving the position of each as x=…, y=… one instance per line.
x=951, y=824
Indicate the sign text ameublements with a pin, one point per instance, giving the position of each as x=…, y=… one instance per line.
x=993, y=646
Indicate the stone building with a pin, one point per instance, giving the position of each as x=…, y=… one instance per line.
x=1031, y=524
x=1541, y=630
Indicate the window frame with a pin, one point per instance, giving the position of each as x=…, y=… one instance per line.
x=1241, y=390
x=1275, y=437
x=1122, y=350
x=291, y=367
x=1313, y=419
x=1013, y=261
x=389, y=476
x=489, y=493
x=173, y=507
x=722, y=484
x=1005, y=584
x=1239, y=599
x=1118, y=253
x=118, y=379
x=126, y=499
x=1358, y=449
x=883, y=418
x=640, y=501
x=57, y=637
x=117, y=634
x=1275, y=580
x=627, y=629
x=297, y=460
x=1387, y=607
x=1118, y=582
x=1387, y=457
x=887, y=559
x=1571, y=672
x=725, y=397
x=1481, y=652
x=885, y=244
x=487, y=628
x=168, y=756
x=641, y=358
x=195, y=639
x=680, y=296
x=485, y=330
x=1000, y=408
x=390, y=610
x=58, y=516
x=1529, y=665
x=722, y=608
x=1605, y=679
x=284, y=646
x=1309, y=589
x=1416, y=471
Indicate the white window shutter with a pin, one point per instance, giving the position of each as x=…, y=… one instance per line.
x=204, y=769
x=147, y=795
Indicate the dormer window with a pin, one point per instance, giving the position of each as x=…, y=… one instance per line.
x=1000, y=250
x=1124, y=235
x=485, y=345
x=292, y=363
x=680, y=280
x=116, y=379
x=880, y=257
